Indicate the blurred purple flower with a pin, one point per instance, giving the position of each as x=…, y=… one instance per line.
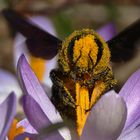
x=7, y=114
x=20, y=46
x=8, y=83
x=114, y=116
x=108, y=31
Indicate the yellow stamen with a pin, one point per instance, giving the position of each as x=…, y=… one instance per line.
x=14, y=131
x=38, y=66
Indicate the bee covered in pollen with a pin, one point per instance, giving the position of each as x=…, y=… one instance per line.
x=84, y=72
x=83, y=75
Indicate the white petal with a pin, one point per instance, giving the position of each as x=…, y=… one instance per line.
x=107, y=118
x=27, y=126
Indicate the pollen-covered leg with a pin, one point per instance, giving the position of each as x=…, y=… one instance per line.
x=83, y=104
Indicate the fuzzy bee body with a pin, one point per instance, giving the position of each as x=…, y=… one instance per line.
x=83, y=64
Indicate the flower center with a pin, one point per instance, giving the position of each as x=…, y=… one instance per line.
x=14, y=131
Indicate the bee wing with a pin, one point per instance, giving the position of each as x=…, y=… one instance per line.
x=39, y=42
x=123, y=45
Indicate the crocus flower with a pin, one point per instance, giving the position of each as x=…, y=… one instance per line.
x=7, y=114
x=114, y=116
x=41, y=67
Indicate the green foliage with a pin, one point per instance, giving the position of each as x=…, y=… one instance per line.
x=63, y=25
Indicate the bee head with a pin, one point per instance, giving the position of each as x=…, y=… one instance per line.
x=83, y=54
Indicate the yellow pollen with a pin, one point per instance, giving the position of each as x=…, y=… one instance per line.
x=86, y=49
x=14, y=131
x=38, y=66
x=97, y=92
x=84, y=104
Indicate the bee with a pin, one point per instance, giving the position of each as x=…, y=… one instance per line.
x=84, y=72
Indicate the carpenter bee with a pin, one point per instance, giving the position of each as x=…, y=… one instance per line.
x=84, y=72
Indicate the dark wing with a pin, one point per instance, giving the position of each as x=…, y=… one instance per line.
x=39, y=42
x=123, y=45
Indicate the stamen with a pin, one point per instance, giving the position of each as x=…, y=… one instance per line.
x=14, y=131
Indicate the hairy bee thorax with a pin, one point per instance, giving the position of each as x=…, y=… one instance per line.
x=83, y=75
x=84, y=55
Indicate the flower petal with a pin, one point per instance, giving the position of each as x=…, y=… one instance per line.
x=34, y=113
x=7, y=113
x=21, y=48
x=107, y=118
x=27, y=126
x=131, y=95
x=8, y=83
x=108, y=31
x=38, y=119
x=53, y=136
x=25, y=135
x=32, y=87
x=133, y=135
x=39, y=137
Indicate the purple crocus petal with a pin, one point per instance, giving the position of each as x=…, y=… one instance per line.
x=38, y=119
x=131, y=95
x=25, y=135
x=32, y=87
x=34, y=113
x=53, y=136
x=108, y=31
x=7, y=113
x=133, y=135
x=107, y=118
x=27, y=126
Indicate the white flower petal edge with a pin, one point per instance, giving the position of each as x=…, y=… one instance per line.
x=107, y=118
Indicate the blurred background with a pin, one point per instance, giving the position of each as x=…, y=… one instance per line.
x=65, y=16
